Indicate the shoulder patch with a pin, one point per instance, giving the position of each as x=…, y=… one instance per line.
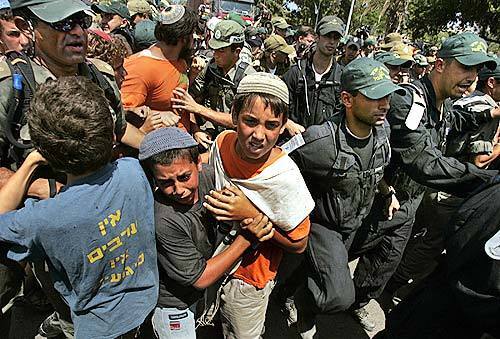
x=102, y=66
x=417, y=111
x=492, y=247
x=4, y=70
x=294, y=143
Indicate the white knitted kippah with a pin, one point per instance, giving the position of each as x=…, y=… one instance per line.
x=266, y=83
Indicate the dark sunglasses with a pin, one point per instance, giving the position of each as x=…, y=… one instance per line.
x=13, y=34
x=66, y=25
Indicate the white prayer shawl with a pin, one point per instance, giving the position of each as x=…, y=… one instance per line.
x=279, y=191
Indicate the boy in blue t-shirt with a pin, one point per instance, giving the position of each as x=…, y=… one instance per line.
x=97, y=234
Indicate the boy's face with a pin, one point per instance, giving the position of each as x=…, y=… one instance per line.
x=258, y=130
x=179, y=180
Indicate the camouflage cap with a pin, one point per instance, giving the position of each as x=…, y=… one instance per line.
x=468, y=49
x=404, y=51
x=330, y=23
x=52, y=10
x=279, y=22
x=113, y=7
x=392, y=59
x=276, y=43
x=226, y=33
x=390, y=40
x=369, y=77
x=138, y=6
x=420, y=60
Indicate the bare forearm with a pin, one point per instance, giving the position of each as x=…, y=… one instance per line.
x=218, y=118
x=221, y=263
x=132, y=136
x=483, y=160
x=14, y=189
x=289, y=245
x=5, y=175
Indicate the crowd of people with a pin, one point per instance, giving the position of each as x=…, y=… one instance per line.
x=168, y=168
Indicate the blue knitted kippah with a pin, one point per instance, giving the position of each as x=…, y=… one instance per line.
x=165, y=139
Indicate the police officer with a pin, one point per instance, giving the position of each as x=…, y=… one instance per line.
x=214, y=88
x=352, y=50
x=398, y=63
x=274, y=60
x=116, y=19
x=419, y=122
x=419, y=69
x=479, y=147
x=343, y=162
x=280, y=26
x=314, y=82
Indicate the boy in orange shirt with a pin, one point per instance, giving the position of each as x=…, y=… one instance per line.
x=250, y=160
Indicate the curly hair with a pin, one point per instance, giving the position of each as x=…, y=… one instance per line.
x=71, y=125
x=106, y=50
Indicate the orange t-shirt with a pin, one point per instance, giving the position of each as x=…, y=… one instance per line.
x=260, y=266
x=150, y=81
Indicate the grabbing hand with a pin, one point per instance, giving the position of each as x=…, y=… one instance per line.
x=203, y=139
x=36, y=158
x=392, y=204
x=259, y=227
x=183, y=100
x=168, y=118
x=197, y=65
x=230, y=204
x=293, y=128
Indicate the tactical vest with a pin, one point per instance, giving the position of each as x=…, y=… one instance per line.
x=316, y=101
x=24, y=86
x=345, y=194
x=221, y=90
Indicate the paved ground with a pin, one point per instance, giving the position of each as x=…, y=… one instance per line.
x=25, y=321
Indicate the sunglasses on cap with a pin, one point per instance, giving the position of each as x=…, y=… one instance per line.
x=66, y=25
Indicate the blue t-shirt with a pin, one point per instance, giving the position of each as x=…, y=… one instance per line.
x=98, y=237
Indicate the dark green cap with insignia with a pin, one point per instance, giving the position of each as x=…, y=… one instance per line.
x=370, y=77
x=468, y=49
x=392, y=59
x=52, y=10
x=113, y=7
x=330, y=23
x=226, y=33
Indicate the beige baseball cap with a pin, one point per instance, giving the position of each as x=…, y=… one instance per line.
x=276, y=43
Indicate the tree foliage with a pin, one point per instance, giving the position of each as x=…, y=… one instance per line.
x=433, y=16
x=421, y=19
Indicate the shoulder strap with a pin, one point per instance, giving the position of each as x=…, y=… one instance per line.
x=239, y=74
x=103, y=83
x=24, y=86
